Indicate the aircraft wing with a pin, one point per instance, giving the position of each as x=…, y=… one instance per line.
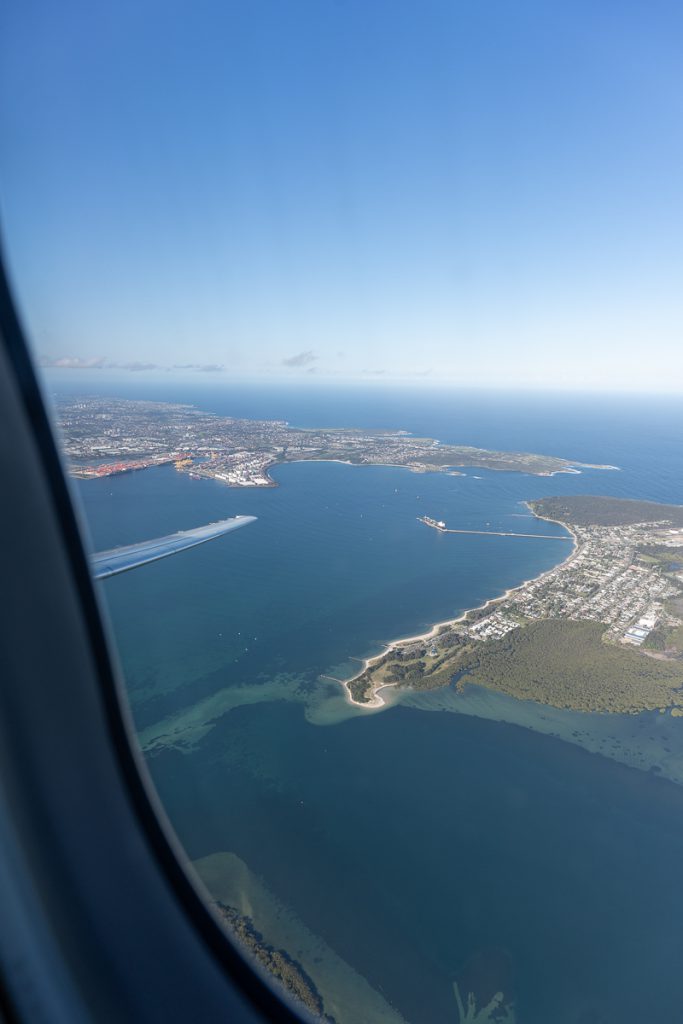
x=110, y=563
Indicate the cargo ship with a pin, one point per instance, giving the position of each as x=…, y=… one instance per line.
x=436, y=524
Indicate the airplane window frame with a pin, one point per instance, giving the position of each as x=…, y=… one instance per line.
x=27, y=810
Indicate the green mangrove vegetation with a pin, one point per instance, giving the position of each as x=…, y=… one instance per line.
x=599, y=510
x=566, y=664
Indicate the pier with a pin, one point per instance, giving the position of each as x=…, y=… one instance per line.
x=505, y=533
x=442, y=528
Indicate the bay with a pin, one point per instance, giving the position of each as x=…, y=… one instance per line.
x=414, y=839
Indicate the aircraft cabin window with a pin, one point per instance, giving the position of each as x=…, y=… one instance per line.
x=357, y=329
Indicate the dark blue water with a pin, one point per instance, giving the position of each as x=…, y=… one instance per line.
x=336, y=563
x=409, y=841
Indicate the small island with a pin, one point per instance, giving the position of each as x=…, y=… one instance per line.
x=603, y=631
x=105, y=436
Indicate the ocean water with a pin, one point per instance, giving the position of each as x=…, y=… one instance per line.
x=534, y=851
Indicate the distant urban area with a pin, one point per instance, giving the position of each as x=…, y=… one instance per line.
x=568, y=637
x=104, y=436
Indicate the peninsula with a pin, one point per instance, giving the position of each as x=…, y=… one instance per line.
x=104, y=436
x=603, y=631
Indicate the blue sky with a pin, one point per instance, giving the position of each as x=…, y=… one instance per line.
x=459, y=192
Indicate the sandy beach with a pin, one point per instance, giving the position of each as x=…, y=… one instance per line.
x=377, y=701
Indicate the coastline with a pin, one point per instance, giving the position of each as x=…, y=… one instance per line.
x=84, y=473
x=377, y=701
x=375, y=465
x=418, y=470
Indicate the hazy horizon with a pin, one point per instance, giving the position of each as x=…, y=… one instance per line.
x=88, y=380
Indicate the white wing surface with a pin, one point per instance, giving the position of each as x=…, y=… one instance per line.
x=110, y=563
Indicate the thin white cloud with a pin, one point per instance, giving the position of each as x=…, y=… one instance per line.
x=300, y=359
x=73, y=363
x=201, y=367
x=134, y=366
